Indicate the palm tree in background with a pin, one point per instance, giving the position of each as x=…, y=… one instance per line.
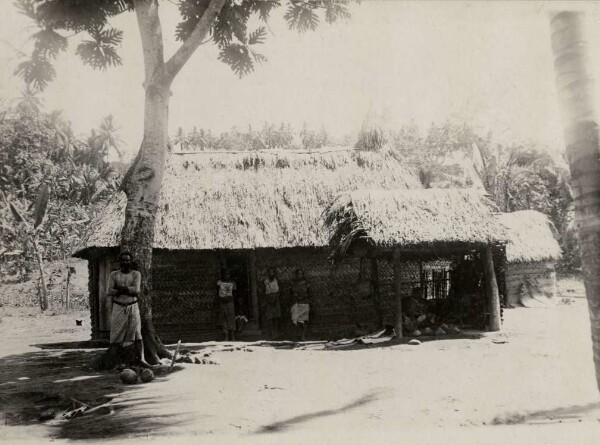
x=106, y=137
x=62, y=135
x=575, y=87
x=29, y=100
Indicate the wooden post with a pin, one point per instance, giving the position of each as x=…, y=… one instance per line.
x=254, y=286
x=492, y=294
x=104, y=300
x=93, y=285
x=397, y=292
x=376, y=293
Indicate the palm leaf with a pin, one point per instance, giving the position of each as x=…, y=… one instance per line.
x=15, y=213
x=41, y=204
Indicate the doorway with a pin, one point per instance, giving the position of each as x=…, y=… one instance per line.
x=238, y=267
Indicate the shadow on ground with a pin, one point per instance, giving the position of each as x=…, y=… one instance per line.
x=37, y=388
x=287, y=423
x=569, y=413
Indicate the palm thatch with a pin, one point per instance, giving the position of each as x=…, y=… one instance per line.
x=531, y=237
x=413, y=217
x=239, y=200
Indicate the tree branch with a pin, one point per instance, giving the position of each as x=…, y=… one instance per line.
x=187, y=48
x=152, y=41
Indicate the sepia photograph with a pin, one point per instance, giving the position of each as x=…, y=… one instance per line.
x=299, y=222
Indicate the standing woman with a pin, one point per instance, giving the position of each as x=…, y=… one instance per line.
x=225, y=289
x=271, y=303
x=301, y=295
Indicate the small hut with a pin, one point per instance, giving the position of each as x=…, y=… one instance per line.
x=531, y=252
x=245, y=212
x=445, y=248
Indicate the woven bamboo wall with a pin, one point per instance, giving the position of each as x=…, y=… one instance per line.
x=343, y=303
x=184, y=292
x=337, y=304
x=183, y=295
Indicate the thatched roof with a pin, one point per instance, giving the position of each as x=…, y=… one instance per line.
x=413, y=217
x=530, y=237
x=238, y=200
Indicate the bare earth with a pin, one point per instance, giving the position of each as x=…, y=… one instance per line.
x=533, y=382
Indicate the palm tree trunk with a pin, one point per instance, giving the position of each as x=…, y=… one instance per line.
x=575, y=89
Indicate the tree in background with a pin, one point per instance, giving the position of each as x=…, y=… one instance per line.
x=62, y=135
x=270, y=137
x=226, y=22
x=106, y=138
x=38, y=151
x=517, y=177
x=576, y=94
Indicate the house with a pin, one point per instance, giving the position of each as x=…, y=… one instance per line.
x=246, y=212
x=531, y=252
x=432, y=244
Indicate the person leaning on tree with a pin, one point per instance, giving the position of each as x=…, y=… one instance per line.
x=126, y=324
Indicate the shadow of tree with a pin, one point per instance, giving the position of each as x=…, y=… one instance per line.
x=555, y=414
x=37, y=387
x=283, y=424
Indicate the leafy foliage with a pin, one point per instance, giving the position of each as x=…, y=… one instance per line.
x=301, y=16
x=518, y=176
x=101, y=51
x=269, y=137
x=238, y=57
x=230, y=31
x=36, y=73
x=44, y=186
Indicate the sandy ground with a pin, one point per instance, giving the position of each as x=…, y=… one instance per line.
x=531, y=383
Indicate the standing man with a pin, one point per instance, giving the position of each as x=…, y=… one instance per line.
x=126, y=323
x=271, y=303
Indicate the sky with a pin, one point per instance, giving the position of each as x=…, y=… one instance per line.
x=487, y=64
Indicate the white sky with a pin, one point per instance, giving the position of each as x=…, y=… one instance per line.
x=486, y=64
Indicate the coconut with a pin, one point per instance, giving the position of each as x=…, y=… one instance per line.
x=147, y=375
x=128, y=376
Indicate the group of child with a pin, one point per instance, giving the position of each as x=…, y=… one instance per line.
x=271, y=291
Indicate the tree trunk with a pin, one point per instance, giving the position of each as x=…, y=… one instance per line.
x=68, y=286
x=574, y=84
x=143, y=194
x=68, y=269
x=491, y=292
x=144, y=180
x=40, y=261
